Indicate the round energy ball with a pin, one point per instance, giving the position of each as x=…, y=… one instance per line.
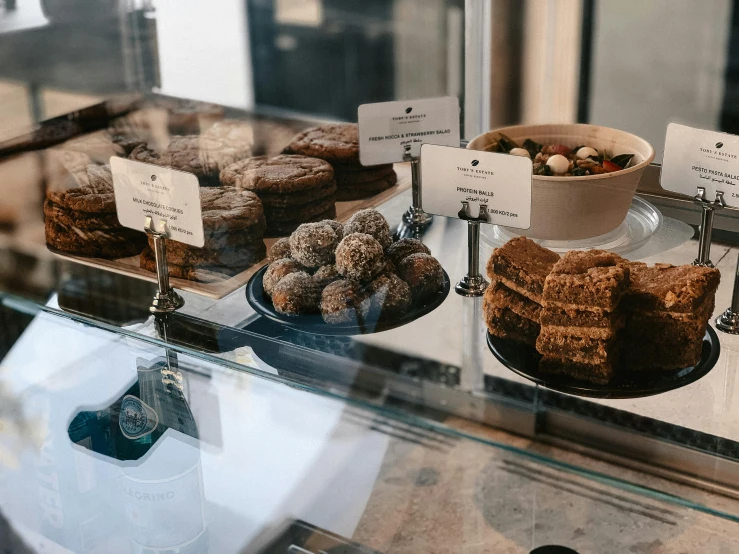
x=389, y=296
x=277, y=270
x=343, y=301
x=423, y=274
x=280, y=249
x=295, y=294
x=405, y=247
x=359, y=257
x=313, y=244
x=372, y=223
x=336, y=226
x=325, y=275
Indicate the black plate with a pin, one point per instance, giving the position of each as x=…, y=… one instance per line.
x=524, y=360
x=313, y=323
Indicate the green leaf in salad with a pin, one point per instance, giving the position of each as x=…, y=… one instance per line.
x=544, y=169
x=579, y=172
x=532, y=147
x=622, y=160
x=505, y=144
x=597, y=159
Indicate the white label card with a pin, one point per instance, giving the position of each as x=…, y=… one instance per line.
x=451, y=176
x=698, y=158
x=386, y=128
x=164, y=194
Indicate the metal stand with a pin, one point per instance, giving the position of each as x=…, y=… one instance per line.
x=473, y=284
x=415, y=220
x=728, y=322
x=166, y=300
x=706, y=228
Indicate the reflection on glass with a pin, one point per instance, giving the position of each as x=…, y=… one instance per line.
x=152, y=435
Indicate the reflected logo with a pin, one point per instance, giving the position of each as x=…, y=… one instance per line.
x=475, y=162
x=719, y=144
x=408, y=110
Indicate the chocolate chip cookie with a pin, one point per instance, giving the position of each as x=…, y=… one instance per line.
x=365, y=190
x=334, y=143
x=119, y=243
x=279, y=175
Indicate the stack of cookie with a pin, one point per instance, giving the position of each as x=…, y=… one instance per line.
x=513, y=301
x=668, y=308
x=293, y=189
x=203, y=156
x=80, y=218
x=339, y=145
x=582, y=315
x=233, y=222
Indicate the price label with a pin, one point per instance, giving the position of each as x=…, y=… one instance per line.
x=699, y=158
x=387, y=128
x=453, y=177
x=165, y=194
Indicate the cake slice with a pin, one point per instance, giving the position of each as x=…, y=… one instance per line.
x=668, y=308
x=580, y=318
x=506, y=324
x=522, y=266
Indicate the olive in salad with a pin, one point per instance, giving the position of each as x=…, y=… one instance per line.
x=560, y=160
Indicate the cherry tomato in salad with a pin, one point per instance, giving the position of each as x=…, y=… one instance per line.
x=561, y=149
x=610, y=167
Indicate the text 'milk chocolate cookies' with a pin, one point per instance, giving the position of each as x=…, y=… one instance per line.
x=338, y=144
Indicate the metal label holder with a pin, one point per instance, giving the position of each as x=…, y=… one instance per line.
x=166, y=300
x=415, y=220
x=706, y=228
x=728, y=322
x=472, y=284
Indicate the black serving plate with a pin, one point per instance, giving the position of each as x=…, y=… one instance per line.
x=313, y=323
x=524, y=360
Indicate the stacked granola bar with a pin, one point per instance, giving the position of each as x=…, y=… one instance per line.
x=668, y=308
x=512, y=303
x=582, y=314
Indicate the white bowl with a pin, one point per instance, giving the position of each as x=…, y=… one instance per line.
x=570, y=208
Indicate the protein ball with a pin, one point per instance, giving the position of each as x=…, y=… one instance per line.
x=423, y=274
x=336, y=226
x=404, y=248
x=359, y=256
x=343, y=301
x=280, y=250
x=325, y=275
x=277, y=270
x=295, y=294
x=389, y=296
x=372, y=223
x=313, y=244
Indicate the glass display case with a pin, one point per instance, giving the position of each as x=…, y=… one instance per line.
x=353, y=410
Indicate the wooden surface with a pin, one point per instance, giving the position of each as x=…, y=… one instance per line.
x=223, y=285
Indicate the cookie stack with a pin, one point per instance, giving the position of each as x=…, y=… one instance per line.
x=233, y=222
x=513, y=301
x=81, y=218
x=293, y=189
x=582, y=315
x=203, y=156
x=338, y=144
x=668, y=308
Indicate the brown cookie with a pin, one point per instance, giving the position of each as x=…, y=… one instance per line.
x=120, y=243
x=335, y=142
x=364, y=190
x=297, y=198
x=234, y=254
x=204, y=157
x=88, y=221
x=223, y=241
x=356, y=167
x=299, y=213
x=281, y=229
x=360, y=177
x=90, y=191
x=202, y=273
x=278, y=175
x=226, y=209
